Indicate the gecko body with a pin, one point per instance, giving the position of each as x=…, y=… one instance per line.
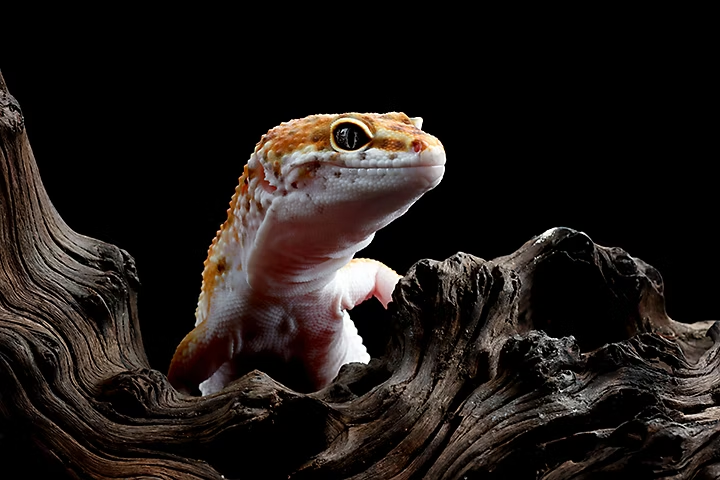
x=280, y=273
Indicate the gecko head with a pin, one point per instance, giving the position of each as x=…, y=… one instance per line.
x=361, y=141
x=364, y=167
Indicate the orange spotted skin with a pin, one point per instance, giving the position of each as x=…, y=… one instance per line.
x=280, y=275
x=393, y=132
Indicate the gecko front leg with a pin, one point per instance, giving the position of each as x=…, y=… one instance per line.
x=358, y=281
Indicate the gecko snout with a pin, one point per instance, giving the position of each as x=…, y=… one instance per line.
x=433, y=155
x=431, y=164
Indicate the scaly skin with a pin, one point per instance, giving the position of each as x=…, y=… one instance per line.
x=280, y=274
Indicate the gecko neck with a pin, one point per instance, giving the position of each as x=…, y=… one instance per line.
x=293, y=266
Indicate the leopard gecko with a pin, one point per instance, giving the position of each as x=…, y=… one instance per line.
x=280, y=274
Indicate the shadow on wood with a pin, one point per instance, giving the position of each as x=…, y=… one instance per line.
x=557, y=361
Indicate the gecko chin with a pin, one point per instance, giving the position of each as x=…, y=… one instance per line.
x=432, y=174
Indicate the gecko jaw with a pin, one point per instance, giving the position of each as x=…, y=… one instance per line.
x=428, y=164
x=430, y=156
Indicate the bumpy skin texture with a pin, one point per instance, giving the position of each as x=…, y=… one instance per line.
x=280, y=274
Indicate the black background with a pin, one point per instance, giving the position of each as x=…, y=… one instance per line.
x=607, y=124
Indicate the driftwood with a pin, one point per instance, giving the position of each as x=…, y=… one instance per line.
x=557, y=361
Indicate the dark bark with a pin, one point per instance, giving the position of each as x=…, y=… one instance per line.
x=557, y=361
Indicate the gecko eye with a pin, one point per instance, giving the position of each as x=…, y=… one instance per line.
x=349, y=135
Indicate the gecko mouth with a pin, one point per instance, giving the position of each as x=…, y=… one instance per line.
x=428, y=175
x=430, y=157
x=427, y=166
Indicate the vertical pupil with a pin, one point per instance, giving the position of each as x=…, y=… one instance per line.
x=348, y=138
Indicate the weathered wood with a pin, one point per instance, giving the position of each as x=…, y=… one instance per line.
x=557, y=361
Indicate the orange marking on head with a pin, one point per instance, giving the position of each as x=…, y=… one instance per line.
x=297, y=134
x=394, y=132
x=391, y=145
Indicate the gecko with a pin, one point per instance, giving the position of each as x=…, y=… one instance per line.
x=280, y=275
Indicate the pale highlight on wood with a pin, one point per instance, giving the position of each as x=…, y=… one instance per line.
x=555, y=362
